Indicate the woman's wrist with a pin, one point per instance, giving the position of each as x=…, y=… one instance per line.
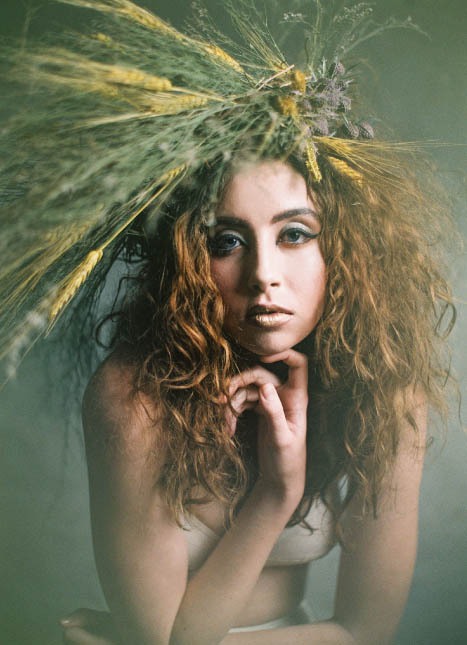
x=279, y=499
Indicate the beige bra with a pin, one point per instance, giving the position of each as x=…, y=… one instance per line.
x=295, y=545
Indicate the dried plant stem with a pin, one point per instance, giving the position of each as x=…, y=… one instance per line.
x=147, y=19
x=73, y=283
x=312, y=163
x=70, y=286
x=219, y=53
x=343, y=168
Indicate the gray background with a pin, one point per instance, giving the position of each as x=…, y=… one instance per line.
x=417, y=86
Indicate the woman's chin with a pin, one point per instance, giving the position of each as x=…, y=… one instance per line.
x=269, y=343
x=266, y=347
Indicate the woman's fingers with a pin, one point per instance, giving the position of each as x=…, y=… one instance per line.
x=245, y=398
x=88, y=627
x=256, y=376
x=298, y=367
x=86, y=618
x=293, y=393
x=273, y=410
x=244, y=393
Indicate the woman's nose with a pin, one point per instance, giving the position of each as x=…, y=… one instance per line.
x=264, y=269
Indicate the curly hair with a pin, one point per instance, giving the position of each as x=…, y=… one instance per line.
x=387, y=311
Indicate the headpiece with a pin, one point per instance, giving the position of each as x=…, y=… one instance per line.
x=108, y=123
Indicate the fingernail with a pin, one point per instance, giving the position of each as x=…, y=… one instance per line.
x=267, y=390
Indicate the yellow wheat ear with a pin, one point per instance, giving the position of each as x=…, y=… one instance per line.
x=131, y=11
x=164, y=104
x=312, y=163
x=73, y=282
x=223, y=56
x=343, y=168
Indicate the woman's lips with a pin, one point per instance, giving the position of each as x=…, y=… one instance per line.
x=268, y=316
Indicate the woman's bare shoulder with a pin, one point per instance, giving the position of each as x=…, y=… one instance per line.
x=113, y=408
x=125, y=454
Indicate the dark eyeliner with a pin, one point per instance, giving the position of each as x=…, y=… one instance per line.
x=303, y=231
x=216, y=241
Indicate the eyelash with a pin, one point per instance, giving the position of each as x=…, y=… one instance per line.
x=305, y=232
x=215, y=244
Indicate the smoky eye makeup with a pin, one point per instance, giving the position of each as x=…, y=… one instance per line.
x=294, y=227
x=225, y=241
x=297, y=233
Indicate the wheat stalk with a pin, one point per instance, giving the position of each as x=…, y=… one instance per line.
x=147, y=19
x=312, y=163
x=136, y=77
x=73, y=68
x=128, y=10
x=170, y=104
x=166, y=179
x=343, y=167
x=70, y=286
x=219, y=53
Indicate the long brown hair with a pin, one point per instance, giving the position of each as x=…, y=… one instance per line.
x=388, y=309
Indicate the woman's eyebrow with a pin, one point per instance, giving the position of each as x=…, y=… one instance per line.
x=231, y=220
x=288, y=214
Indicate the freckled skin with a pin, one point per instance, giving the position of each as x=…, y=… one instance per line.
x=266, y=253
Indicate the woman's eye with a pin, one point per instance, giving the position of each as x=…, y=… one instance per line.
x=297, y=235
x=225, y=243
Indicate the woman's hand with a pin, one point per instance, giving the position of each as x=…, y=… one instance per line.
x=244, y=393
x=282, y=427
x=89, y=627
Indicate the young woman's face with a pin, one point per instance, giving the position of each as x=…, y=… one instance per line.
x=265, y=258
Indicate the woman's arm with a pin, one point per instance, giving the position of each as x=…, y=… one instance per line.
x=141, y=553
x=373, y=582
x=135, y=540
x=376, y=570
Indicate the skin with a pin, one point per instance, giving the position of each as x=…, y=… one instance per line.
x=266, y=254
x=269, y=269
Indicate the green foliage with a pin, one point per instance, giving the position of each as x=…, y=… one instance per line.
x=99, y=119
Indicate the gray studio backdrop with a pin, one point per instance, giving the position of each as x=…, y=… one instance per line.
x=417, y=86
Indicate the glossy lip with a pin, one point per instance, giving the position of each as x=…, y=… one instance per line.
x=258, y=310
x=268, y=316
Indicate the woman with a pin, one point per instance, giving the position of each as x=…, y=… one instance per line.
x=267, y=387
x=269, y=257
